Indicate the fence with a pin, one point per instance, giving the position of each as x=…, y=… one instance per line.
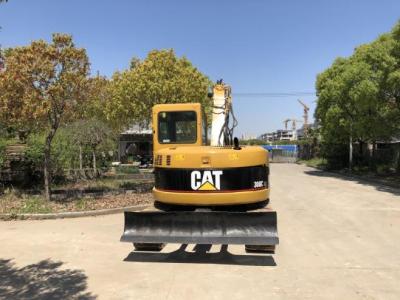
x=282, y=153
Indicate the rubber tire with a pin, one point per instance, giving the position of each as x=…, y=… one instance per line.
x=148, y=246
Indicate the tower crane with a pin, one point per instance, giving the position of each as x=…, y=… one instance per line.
x=305, y=116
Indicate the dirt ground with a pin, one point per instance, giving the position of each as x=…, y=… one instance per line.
x=339, y=239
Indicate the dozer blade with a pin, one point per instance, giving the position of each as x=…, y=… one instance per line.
x=254, y=228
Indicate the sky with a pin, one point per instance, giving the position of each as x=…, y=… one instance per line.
x=259, y=47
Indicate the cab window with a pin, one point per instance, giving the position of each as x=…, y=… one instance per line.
x=177, y=127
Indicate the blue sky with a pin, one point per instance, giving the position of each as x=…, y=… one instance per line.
x=256, y=46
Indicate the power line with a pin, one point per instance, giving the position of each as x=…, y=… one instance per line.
x=274, y=95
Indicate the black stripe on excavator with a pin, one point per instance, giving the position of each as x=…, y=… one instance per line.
x=230, y=179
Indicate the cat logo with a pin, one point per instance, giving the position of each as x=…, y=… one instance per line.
x=208, y=181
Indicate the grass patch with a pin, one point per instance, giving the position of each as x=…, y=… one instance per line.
x=317, y=162
x=16, y=202
x=13, y=202
x=101, y=183
x=81, y=204
x=35, y=205
x=127, y=169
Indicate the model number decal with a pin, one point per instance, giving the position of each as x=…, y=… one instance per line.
x=258, y=184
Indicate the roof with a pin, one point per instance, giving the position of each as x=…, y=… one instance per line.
x=138, y=129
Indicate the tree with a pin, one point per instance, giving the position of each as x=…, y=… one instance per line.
x=91, y=133
x=97, y=94
x=160, y=78
x=357, y=95
x=42, y=87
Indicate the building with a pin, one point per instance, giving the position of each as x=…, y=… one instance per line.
x=136, y=145
x=279, y=135
x=284, y=134
x=247, y=136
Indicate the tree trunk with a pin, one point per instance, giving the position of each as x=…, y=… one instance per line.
x=351, y=149
x=398, y=158
x=374, y=158
x=94, y=162
x=47, y=164
x=80, y=158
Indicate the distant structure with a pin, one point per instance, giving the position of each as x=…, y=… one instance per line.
x=246, y=137
x=279, y=135
x=136, y=144
x=292, y=134
x=305, y=116
x=287, y=134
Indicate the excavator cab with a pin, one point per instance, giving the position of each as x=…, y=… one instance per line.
x=177, y=125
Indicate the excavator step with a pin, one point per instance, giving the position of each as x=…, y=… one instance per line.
x=201, y=227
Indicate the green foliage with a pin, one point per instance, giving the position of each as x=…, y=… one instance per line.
x=42, y=88
x=3, y=145
x=315, y=162
x=43, y=83
x=160, y=78
x=93, y=136
x=97, y=94
x=64, y=152
x=359, y=97
x=12, y=201
x=35, y=150
x=89, y=132
x=335, y=154
x=82, y=204
x=65, y=149
x=127, y=169
x=35, y=205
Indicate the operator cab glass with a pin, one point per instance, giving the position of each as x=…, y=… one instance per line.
x=177, y=127
x=205, y=131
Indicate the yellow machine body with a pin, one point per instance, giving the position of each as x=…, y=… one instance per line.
x=188, y=172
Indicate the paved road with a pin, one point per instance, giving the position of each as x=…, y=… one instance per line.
x=340, y=239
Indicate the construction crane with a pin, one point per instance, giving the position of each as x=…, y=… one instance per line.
x=305, y=116
x=286, y=122
x=294, y=122
x=204, y=194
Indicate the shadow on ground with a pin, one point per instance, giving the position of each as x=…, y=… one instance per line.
x=43, y=280
x=364, y=181
x=201, y=256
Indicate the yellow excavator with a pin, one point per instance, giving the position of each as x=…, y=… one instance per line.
x=205, y=193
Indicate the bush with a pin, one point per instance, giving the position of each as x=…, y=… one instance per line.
x=34, y=152
x=127, y=169
x=315, y=162
x=64, y=153
x=3, y=144
x=336, y=155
